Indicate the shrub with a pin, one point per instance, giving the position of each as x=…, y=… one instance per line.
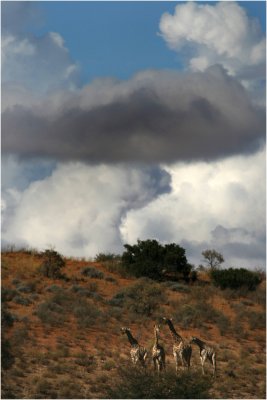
x=7, y=294
x=102, y=257
x=194, y=276
x=7, y=358
x=69, y=390
x=86, y=313
x=177, y=287
x=51, y=314
x=28, y=288
x=85, y=360
x=143, y=297
x=257, y=320
x=92, y=272
x=7, y=319
x=235, y=278
x=111, y=279
x=199, y=313
x=22, y=300
x=44, y=390
x=52, y=264
x=132, y=383
x=53, y=288
x=53, y=311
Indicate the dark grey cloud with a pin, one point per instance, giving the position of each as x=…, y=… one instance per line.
x=184, y=117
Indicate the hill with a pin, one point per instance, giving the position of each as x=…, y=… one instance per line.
x=62, y=339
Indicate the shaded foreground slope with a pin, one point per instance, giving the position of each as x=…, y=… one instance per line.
x=62, y=337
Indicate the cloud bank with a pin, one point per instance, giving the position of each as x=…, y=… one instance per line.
x=155, y=117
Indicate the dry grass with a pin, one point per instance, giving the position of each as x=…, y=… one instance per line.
x=77, y=355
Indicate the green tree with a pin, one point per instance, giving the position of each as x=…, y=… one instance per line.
x=212, y=258
x=150, y=258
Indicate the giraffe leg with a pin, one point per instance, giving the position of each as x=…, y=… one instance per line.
x=176, y=362
x=214, y=365
x=164, y=363
x=202, y=359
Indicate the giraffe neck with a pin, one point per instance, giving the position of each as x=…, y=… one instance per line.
x=200, y=343
x=175, y=335
x=156, y=338
x=132, y=340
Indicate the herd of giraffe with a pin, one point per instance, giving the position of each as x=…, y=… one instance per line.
x=182, y=350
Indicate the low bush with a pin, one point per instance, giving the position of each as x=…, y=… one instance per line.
x=199, y=313
x=27, y=288
x=53, y=288
x=235, y=278
x=85, y=360
x=92, y=272
x=7, y=319
x=143, y=297
x=52, y=264
x=86, y=313
x=111, y=279
x=102, y=257
x=177, y=287
x=69, y=390
x=51, y=313
x=257, y=320
x=7, y=357
x=44, y=390
x=132, y=383
x=7, y=294
x=22, y=300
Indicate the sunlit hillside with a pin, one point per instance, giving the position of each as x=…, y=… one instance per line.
x=61, y=337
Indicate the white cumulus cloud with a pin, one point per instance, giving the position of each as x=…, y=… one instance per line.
x=217, y=205
x=78, y=208
x=216, y=33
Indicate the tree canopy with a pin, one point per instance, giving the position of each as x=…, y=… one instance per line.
x=213, y=258
x=150, y=258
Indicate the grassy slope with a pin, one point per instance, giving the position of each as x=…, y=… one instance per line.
x=76, y=359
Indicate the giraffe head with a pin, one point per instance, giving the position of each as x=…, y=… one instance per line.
x=125, y=330
x=166, y=320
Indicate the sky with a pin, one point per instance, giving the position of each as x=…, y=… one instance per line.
x=134, y=120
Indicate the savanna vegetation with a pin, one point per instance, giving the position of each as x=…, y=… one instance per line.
x=61, y=321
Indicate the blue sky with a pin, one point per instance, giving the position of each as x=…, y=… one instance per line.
x=117, y=38
x=135, y=120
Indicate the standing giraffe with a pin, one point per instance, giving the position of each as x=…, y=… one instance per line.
x=180, y=349
x=158, y=352
x=138, y=353
x=205, y=352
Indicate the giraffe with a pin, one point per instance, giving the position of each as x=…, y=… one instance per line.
x=158, y=352
x=138, y=353
x=180, y=349
x=205, y=352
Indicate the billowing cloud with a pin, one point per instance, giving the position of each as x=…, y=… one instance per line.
x=218, y=33
x=78, y=208
x=219, y=205
x=38, y=63
x=154, y=117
